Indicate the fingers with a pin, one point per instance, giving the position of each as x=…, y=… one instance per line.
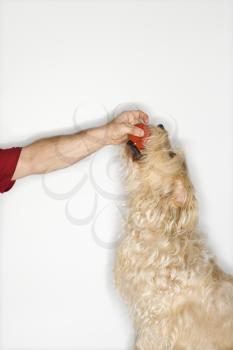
x=140, y=116
x=124, y=125
x=133, y=117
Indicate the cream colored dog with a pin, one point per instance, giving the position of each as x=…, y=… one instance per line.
x=178, y=297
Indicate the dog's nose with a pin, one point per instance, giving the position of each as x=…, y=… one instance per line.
x=161, y=126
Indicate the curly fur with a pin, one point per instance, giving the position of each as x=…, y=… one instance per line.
x=177, y=295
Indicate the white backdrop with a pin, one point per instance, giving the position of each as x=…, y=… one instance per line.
x=69, y=64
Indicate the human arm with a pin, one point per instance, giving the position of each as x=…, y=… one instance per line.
x=58, y=152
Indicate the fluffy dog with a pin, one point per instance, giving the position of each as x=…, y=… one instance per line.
x=177, y=295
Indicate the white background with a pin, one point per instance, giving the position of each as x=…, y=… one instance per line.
x=173, y=58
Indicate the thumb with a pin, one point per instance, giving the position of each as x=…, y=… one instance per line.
x=121, y=131
x=134, y=130
x=127, y=129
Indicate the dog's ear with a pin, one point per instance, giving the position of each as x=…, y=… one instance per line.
x=180, y=194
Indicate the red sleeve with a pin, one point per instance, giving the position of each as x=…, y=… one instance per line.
x=8, y=161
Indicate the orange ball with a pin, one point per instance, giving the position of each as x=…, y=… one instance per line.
x=138, y=140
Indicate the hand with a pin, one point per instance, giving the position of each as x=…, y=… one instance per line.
x=117, y=130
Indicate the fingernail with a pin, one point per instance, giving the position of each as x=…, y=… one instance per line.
x=140, y=132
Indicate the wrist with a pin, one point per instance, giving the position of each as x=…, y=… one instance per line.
x=106, y=134
x=102, y=135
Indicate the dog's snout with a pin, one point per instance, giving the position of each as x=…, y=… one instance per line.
x=161, y=126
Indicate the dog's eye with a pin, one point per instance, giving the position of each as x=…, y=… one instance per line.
x=172, y=154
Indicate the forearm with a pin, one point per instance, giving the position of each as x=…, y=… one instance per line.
x=58, y=152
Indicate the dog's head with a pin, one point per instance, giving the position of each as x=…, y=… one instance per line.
x=160, y=175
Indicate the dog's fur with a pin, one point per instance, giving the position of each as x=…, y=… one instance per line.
x=177, y=295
